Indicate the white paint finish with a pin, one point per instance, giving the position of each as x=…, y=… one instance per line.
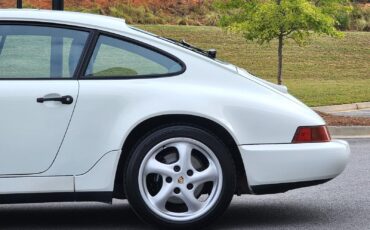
x=284, y=163
x=30, y=132
x=254, y=112
x=101, y=177
x=23, y=185
x=229, y=101
x=242, y=105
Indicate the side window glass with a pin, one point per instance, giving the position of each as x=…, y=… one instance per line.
x=117, y=58
x=28, y=52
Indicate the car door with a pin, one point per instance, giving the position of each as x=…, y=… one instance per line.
x=112, y=89
x=38, y=93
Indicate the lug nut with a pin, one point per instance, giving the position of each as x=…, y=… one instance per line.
x=190, y=172
x=176, y=190
x=177, y=168
x=190, y=186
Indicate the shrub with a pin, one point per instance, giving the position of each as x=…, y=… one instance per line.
x=360, y=18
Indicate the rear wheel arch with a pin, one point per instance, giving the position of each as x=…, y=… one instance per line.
x=152, y=124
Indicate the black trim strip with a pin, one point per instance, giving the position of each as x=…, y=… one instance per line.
x=89, y=49
x=283, y=187
x=105, y=197
x=86, y=54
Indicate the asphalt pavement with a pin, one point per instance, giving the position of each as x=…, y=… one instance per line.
x=343, y=203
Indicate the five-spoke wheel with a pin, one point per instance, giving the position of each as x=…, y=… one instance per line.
x=180, y=178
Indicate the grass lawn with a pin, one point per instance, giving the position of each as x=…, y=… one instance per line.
x=325, y=72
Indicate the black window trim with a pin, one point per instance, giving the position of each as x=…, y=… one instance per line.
x=94, y=42
x=88, y=51
x=54, y=25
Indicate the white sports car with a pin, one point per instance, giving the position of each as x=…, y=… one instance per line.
x=93, y=109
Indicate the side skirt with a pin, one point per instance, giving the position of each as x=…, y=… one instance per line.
x=105, y=197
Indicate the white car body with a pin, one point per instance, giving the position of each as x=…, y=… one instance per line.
x=51, y=148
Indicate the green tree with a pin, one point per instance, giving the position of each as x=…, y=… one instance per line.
x=265, y=20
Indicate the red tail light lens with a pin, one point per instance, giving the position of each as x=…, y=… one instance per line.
x=307, y=134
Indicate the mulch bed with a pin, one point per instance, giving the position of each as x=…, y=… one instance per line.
x=334, y=120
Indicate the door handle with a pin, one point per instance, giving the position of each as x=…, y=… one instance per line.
x=67, y=100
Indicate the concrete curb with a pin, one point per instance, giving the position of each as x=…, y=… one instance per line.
x=344, y=107
x=350, y=131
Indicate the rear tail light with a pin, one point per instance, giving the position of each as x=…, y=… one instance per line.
x=307, y=134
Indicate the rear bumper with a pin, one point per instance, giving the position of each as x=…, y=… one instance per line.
x=276, y=168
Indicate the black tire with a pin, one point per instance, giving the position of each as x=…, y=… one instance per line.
x=131, y=175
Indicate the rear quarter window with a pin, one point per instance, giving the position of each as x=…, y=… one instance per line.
x=113, y=57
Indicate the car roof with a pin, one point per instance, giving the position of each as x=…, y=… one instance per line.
x=93, y=21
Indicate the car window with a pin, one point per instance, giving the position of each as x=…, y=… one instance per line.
x=28, y=52
x=118, y=58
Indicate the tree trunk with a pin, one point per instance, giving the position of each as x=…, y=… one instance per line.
x=280, y=53
x=280, y=62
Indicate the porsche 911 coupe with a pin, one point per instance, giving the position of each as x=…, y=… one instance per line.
x=93, y=109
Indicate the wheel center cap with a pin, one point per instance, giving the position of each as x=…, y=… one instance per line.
x=180, y=180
